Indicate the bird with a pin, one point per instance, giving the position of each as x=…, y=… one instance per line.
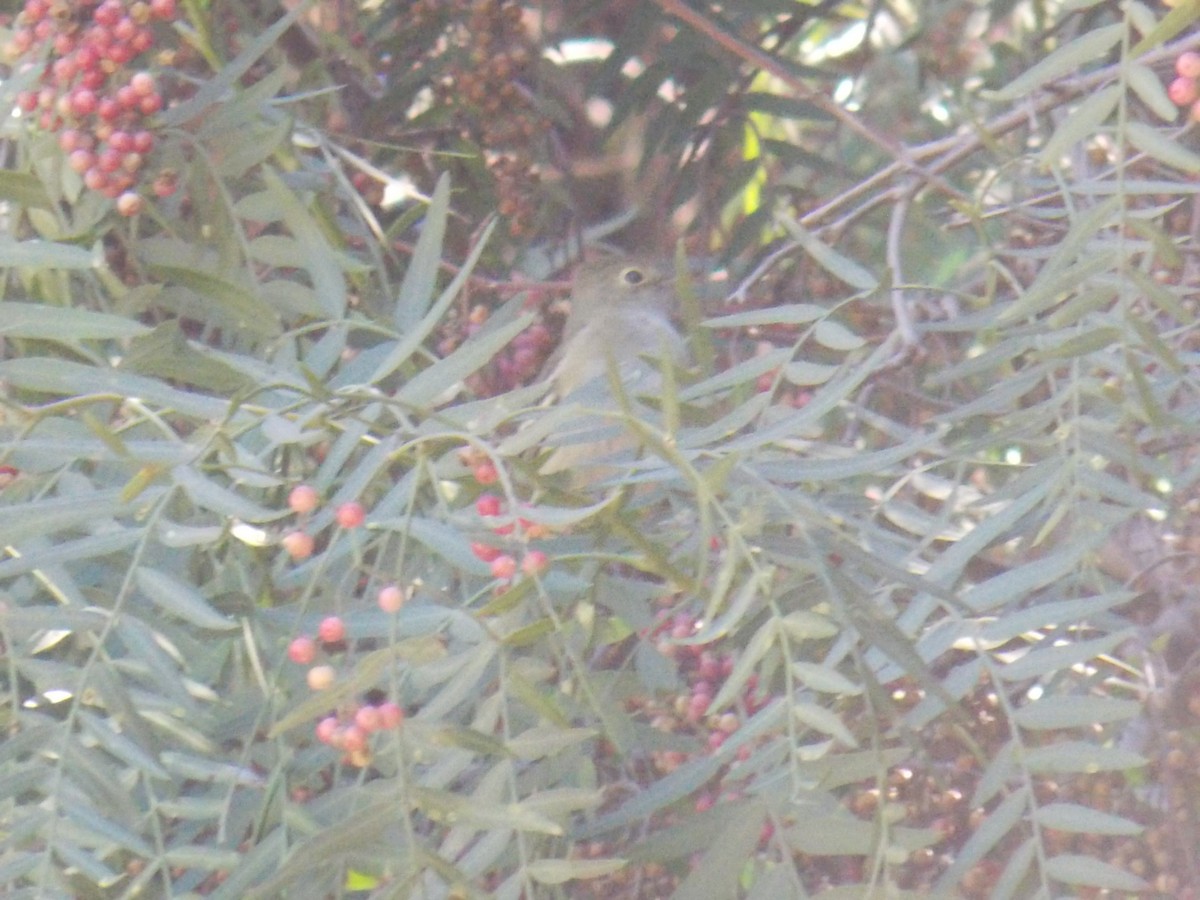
x=620, y=323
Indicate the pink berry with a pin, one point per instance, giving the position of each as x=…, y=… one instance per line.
x=535, y=563
x=368, y=719
x=302, y=650
x=142, y=84
x=163, y=9
x=83, y=102
x=331, y=630
x=303, y=499
x=81, y=160
x=354, y=740
x=488, y=505
x=327, y=729
x=350, y=514
x=504, y=567
x=485, y=552
x=1188, y=64
x=390, y=715
x=390, y=599
x=485, y=473
x=298, y=544
x=1183, y=91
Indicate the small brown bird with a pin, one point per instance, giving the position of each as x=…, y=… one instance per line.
x=620, y=320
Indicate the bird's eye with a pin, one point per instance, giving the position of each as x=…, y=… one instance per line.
x=632, y=277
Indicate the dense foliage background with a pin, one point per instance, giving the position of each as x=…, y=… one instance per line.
x=898, y=597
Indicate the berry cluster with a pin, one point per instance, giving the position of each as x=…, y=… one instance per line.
x=348, y=729
x=489, y=51
x=302, y=500
x=1185, y=89
x=504, y=525
x=88, y=95
x=513, y=366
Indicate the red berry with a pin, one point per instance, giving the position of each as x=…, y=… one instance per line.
x=27, y=101
x=354, y=739
x=485, y=473
x=127, y=97
x=390, y=599
x=83, y=102
x=488, y=505
x=350, y=514
x=95, y=180
x=109, y=160
x=124, y=29
x=121, y=140
x=485, y=552
x=34, y=10
x=22, y=40
x=142, y=84
x=504, y=567
x=92, y=78
x=331, y=630
x=326, y=729
x=1183, y=91
x=535, y=563
x=81, y=160
x=368, y=718
x=163, y=9
x=87, y=58
x=302, y=650
x=298, y=544
x=108, y=109
x=142, y=40
x=303, y=499
x=150, y=104
x=143, y=142
x=321, y=678
x=1188, y=64
x=391, y=715
x=65, y=69
x=107, y=13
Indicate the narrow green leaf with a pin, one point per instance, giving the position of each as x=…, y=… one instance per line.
x=1073, y=868
x=1057, y=712
x=829, y=259
x=1084, y=820
x=48, y=255
x=245, y=310
x=1068, y=59
x=438, y=380
x=719, y=871
x=231, y=72
x=1080, y=756
x=1149, y=88
x=1081, y=125
x=784, y=314
x=560, y=871
x=983, y=839
x=416, y=290
x=38, y=320
x=181, y=600
x=319, y=260
x=1181, y=16
x=1165, y=149
x=836, y=336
